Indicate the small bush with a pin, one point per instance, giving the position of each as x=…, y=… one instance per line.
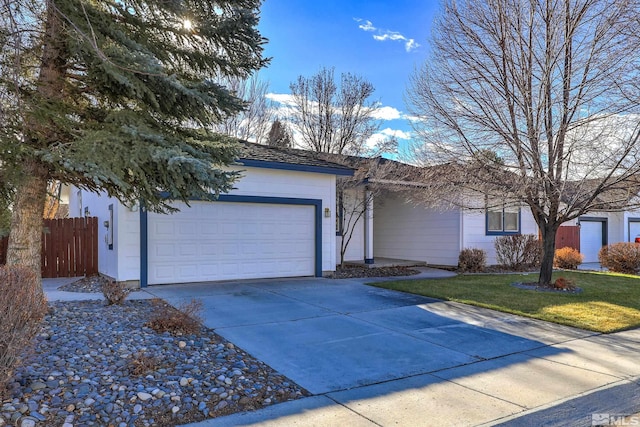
x=567, y=258
x=114, y=292
x=142, y=364
x=621, y=257
x=472, y=260
x=518, y=251
x=22, y=307
x=185, y=319
x=564, y=284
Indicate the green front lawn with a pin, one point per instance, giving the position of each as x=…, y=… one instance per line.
x=608, y=303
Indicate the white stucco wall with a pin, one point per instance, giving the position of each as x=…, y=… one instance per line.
x=404, y=230
x=123, y=261
x=474, y=235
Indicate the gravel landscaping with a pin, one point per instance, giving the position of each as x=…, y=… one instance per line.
x=94, y=364
x=355, y=271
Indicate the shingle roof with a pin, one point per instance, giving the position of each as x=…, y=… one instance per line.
x=288, y=158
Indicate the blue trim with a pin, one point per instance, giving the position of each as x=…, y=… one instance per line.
x=502, y=233
x=295, y=167
x=629, y=221
x=368, y=261
x=144, y=248
x=316, y=203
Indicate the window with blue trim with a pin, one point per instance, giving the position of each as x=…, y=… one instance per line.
x=503, y=220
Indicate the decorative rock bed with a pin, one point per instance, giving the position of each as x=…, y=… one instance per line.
x=99, y=365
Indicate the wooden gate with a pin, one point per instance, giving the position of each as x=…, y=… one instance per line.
x=568, y=236
x=69, y=247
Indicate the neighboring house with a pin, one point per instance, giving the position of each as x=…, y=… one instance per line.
x=598, y=229
x=278, y=222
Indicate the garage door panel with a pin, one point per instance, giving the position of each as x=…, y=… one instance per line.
x=226, y=240
x=590, y=239
x=187, y=250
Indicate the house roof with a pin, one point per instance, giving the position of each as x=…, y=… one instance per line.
x=378, y=169
x=264, y=156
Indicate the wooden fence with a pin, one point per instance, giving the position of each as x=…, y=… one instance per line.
x=568, y=235
x=69, y=247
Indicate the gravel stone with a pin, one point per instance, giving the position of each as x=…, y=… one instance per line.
x=353, y=271
x=81, y=372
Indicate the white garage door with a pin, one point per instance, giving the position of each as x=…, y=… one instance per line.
x=634, y=230
x=228, y=240
x=590, y=239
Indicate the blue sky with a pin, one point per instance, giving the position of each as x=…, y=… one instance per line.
x=382, y=41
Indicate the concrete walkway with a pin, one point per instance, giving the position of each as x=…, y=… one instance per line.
x=371, y=356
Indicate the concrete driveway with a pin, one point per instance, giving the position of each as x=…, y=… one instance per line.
x=377, y=357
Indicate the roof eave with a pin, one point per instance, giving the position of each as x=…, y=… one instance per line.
x=295, y=167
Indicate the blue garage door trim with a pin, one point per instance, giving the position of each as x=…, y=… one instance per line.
x=316, y=203
x=631, y=219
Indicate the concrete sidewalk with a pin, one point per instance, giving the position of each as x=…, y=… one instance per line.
x=371, y=356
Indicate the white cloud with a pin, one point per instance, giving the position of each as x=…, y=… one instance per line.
x=395, y=133
x=387, y=113
x=384, y=35
x=281, y=98
x=366, y=25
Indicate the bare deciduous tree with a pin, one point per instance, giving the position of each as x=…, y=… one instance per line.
x=252, y=123
x=331, y=117
x=546, y=85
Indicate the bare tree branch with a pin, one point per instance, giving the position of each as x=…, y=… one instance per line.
x=550, y=87
x=333, y=118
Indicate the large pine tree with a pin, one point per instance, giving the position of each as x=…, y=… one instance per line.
x=118, y=95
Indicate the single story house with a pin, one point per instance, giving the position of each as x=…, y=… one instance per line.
x=289, y=216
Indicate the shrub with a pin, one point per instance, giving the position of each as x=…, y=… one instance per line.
x=183, y=320
x=22, y=307
x=567, y=258
x=564, y=284
x=114, y=292
x=518, y=251
x=472, y=260
x=621, y=257
x=142, y=363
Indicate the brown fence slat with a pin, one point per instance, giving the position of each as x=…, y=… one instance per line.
x=568, y=236
x=92, y=246
x=77, y=255
x=69, y=247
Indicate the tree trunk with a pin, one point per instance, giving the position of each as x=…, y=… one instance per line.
x=548, y=251
x=25, y=237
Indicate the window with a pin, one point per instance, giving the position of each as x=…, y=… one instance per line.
x=503, y=220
